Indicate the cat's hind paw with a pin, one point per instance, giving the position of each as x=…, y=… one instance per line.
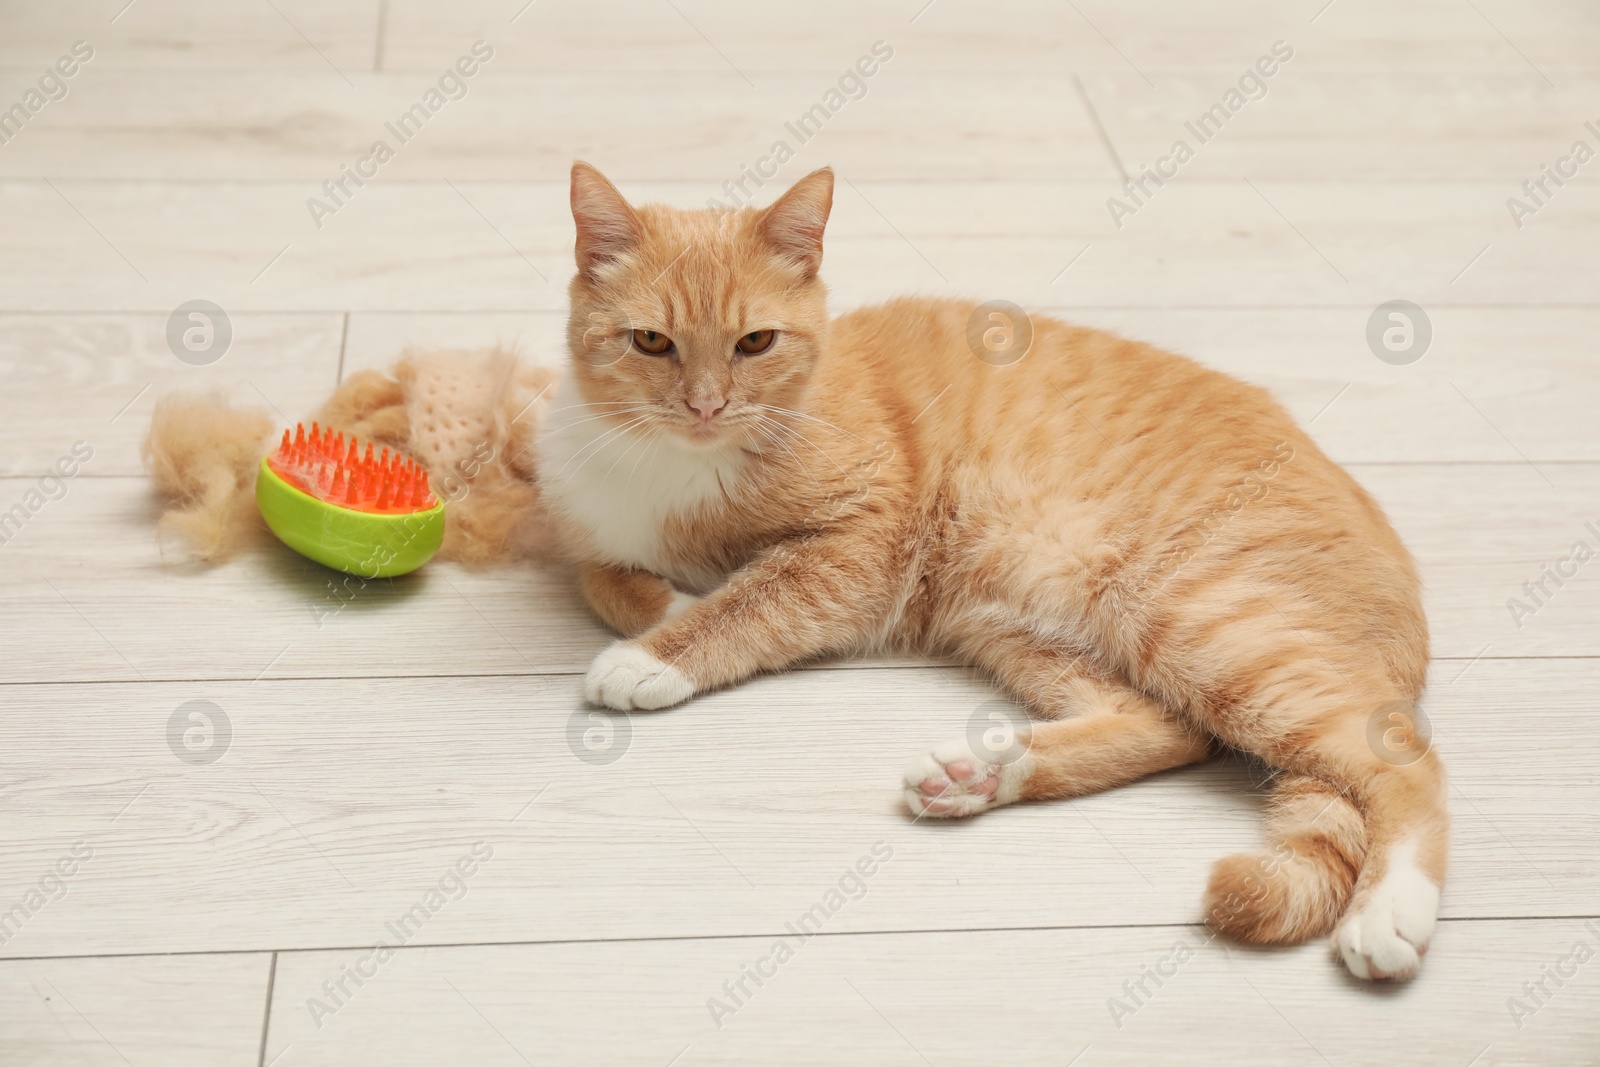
x=625, y=677
x=1386, y=935
x=952, y=781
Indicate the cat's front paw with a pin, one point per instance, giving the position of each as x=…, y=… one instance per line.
x=625, y=677
x=952, y=781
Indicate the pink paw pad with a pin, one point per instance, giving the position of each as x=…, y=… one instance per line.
x=961, y=770
x=951, y=782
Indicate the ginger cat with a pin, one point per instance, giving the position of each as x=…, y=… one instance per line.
x=1148, y=555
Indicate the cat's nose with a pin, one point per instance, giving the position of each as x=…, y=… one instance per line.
x=707, y=406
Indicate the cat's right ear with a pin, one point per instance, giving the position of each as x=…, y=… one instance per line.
x=608, y=228
x=795, y=222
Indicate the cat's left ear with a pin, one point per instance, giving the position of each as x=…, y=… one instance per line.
x=794, y=224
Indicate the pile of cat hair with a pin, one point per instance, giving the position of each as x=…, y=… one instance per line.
x=469, y=417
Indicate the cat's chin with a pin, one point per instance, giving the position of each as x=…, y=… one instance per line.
x=707, y=437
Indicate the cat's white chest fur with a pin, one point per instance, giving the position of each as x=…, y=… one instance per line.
x=620, y=488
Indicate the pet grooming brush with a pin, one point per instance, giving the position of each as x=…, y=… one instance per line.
x=330, y=500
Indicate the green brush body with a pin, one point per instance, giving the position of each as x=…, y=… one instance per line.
x=374, y=517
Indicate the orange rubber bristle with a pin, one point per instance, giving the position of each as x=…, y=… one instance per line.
x=336, y=470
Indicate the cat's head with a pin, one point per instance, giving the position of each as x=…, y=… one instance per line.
x=697, y=323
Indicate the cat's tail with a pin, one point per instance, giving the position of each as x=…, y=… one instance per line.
x=1299, y=888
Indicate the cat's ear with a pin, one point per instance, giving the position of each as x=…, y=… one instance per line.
x=607, y=225
x=794, y=224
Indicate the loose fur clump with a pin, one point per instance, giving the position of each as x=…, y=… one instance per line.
x=202, y=455
x=469, y=418
x=472, y=424
x=1148, y=556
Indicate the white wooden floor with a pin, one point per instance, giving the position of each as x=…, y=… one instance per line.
x=374, y=749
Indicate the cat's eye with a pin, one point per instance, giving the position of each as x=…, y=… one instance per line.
x=756, y=341
x=652, y=343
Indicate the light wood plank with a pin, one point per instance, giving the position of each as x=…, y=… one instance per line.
x=1356, y=36
x=96, y=378
x=186, y=1011
x=1304, y=124
x=302, y=120
x=139, y=615
x=93, y=599
x=1004, y=35
x=1022, y=997
x=336, y=806
x=507, y=247
x=184, y=125
x=301, y=35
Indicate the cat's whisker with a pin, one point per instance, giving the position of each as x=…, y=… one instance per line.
x=804, y=415
x=598, y=445
x=653, y=443
x=590, y=404
x=774, y=429
x=726, y=496
x=595, y=447
x=638, y=440
x=776, y=440
x=609, y=414
x=803, y=439
x=613, y=405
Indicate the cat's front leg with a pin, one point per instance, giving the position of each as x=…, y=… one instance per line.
x=817, y=594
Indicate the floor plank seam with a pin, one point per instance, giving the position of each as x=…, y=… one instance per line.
x=580, y=672
x=344, y=342
x=266, y=1014
x=1099, y=126
x=1363, y=307
x=1358, y=463
x=753, y=935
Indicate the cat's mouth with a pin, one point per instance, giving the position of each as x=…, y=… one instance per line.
x=707, y=433
x=717, y=430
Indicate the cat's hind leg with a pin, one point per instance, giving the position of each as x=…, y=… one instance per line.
x=1111, y=735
